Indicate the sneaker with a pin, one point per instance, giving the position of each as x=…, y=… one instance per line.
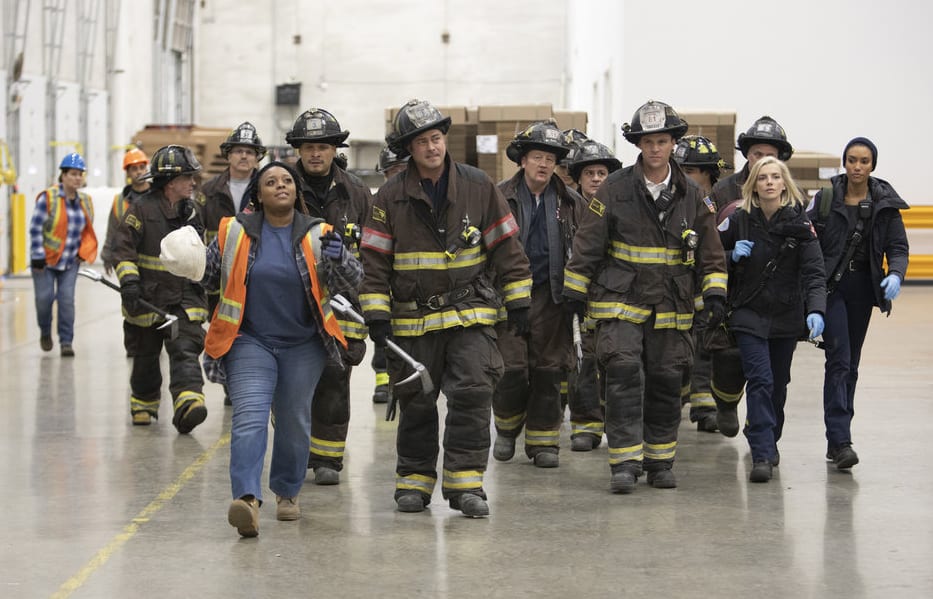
x=584, y=442
x=243, y=515
x=143, y=418
x=45, y=342
x=622, y=482
x=776, y=460
x=472, y=506
x=286, y=508
x=708, y=423
x=504, y=448
x=326, y=476
x=761, y=471
x=191, y=414
x=662, y=479
x=410, y=502
x=67, y=351
x=844, y=457
x=547, y=459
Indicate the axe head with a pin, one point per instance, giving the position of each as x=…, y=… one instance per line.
x=171, y=323
x=427, y=385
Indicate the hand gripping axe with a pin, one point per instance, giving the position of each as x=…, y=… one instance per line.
x=171, y=321
x=342, y=305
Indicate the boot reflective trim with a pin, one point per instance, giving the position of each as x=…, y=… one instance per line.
x=466, y=480
x=617, y=455
x=511, y=424
x=685, y=391
x=138, y=405
x=727, y=397
x=662, y=451
x=564, y=387
x=186, y=396
x=542, y=438
x=330, y=449
x=382, y=378
x=591, y=428
x=702, y=400
x=415, y=482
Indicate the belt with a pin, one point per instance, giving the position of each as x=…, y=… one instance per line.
x=854, y=266
x=436, y=302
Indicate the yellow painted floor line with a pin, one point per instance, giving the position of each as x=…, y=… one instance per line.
x=75, y=582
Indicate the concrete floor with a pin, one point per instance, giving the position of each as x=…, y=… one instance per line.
x=98, y=508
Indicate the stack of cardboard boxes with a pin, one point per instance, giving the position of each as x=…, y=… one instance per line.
x=812, y=171
x=203, y=141
x=479, y=136
x=719, y=128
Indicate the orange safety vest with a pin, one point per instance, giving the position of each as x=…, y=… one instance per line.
x=228, y=315
x=55, y=230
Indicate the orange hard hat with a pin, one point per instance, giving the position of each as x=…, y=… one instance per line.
x=134, y=156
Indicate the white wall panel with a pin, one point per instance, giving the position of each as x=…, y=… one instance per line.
x=32, y=157
x=97, y=150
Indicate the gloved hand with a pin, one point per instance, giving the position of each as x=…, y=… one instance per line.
x=130, y=292
x=815, y=324
x=518, y=321
x=573, y=306
x=332, y=246
x=714, y=312
x=742, y=249
x=37, y=263
x=380, y=331
x=892, y=287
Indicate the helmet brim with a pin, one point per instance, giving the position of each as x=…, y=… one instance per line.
x=399, y=144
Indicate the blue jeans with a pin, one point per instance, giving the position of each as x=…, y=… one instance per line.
x=56, y=285
x=766, y=363
x=260, y=379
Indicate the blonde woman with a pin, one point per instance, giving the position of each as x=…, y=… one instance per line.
x=777, y=292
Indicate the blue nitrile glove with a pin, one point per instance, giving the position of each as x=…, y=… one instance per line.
x=892, y=286
x=742, y=249
x=332, y=246
x=815, y=324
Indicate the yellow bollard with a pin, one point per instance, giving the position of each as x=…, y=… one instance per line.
x=18, y=262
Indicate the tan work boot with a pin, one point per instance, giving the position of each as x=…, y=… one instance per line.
x=244, y=515
x=286, y=508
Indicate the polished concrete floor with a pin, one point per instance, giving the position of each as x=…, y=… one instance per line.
x=97, y=508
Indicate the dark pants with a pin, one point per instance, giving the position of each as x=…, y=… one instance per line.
x=645, y=368
x=465, y=364
x=848, y=311
x=535, y=365
x=186, y=381
x=700, y=394
x=587, y=395
x=766, y=363
x=330, y=409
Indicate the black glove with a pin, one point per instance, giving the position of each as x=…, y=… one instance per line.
x=130, y=292
x=380, y=331
x=573, y=306
x=715, y=312
x=37, y=263
x=518, y=321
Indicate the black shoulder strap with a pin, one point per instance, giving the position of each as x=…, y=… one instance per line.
x=826, y=202
x=790, y=244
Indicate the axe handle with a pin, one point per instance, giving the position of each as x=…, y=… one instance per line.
x=162, y=313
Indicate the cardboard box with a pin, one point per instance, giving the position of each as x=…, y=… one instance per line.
x=459, y=115
x=203, y=141
x=812, y=170
x=528, y=112
x=571, y=120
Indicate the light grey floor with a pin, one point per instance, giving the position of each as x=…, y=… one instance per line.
x=97, y=508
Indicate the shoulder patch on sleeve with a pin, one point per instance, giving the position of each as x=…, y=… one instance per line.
x=379, y=215
x=598, y=207
x=132, y=221
x=709, y=204
x=724, y=225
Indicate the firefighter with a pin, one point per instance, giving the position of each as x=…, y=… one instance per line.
x=699, y=160
x=389, y=165
x=168, y=206
x=537, y=360
x=61, y=235
x=646, y=246
x=592, y=163
x=432, y=234
x=135, y=165
x=764, y=138
x=342, y=200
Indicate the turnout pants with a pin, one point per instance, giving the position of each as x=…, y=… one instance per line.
x=587, y=396
x=700, y=394
x=535, y=366
x=465, y=364
x=645, y=368
x=330, y=410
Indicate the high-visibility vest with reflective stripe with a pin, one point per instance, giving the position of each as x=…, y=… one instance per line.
x=55, y=230
x=234, y=251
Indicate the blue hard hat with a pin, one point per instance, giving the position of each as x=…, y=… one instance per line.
x=74, y=161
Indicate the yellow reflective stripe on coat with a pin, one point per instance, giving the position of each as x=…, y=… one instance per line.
x=660, y=451
x=618, y=310
x=375, y=302
x=698, y=303
x=576, y=282
x=542, y=438
x=415, y=482
x=439, y=321
x=714, y=280
x=437, y=260
x=197, y=314
x=465, y=480
x=644, y=254
x=352, y=329
x=329, y=449
x=617, y=455
x=673, y=320
x=146, y=319
x=127, y=268
x=517, y=290
x=150, y=262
